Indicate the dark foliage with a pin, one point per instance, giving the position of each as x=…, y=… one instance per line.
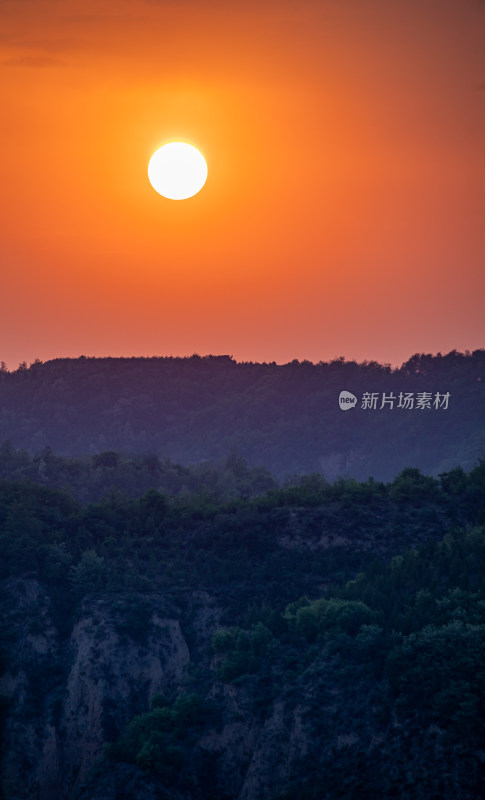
x=289, y=540
x=362, y=605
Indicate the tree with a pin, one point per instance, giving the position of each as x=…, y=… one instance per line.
x=88, y=574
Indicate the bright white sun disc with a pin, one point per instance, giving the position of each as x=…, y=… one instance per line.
x=177, y=170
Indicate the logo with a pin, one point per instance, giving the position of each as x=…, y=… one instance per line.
x=410, y=401
x=346, y=400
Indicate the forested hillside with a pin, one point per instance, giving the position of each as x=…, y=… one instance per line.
x=285, y=418
x=313, y=641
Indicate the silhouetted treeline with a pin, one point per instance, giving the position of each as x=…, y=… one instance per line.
x=284, y=418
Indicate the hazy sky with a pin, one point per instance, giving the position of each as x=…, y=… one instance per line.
x=344, y=212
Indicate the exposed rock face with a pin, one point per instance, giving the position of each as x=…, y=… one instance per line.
x=70, y=688
x=111, y=675
x=281, y=741
x=98, y=673
x=93, y=682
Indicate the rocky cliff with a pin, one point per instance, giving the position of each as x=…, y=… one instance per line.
x=315, y=728
x=317, y=643
x=67, y=692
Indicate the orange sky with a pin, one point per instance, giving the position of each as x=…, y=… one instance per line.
x=344, y=210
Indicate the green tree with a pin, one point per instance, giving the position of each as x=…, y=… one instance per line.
x=88, y=574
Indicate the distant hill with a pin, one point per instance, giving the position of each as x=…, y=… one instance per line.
x=285, y=418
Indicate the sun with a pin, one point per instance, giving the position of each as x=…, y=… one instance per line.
x=177, y=170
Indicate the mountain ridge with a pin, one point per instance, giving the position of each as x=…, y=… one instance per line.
x=285, y=418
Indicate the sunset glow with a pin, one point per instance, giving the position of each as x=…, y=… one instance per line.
x=344, y=211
